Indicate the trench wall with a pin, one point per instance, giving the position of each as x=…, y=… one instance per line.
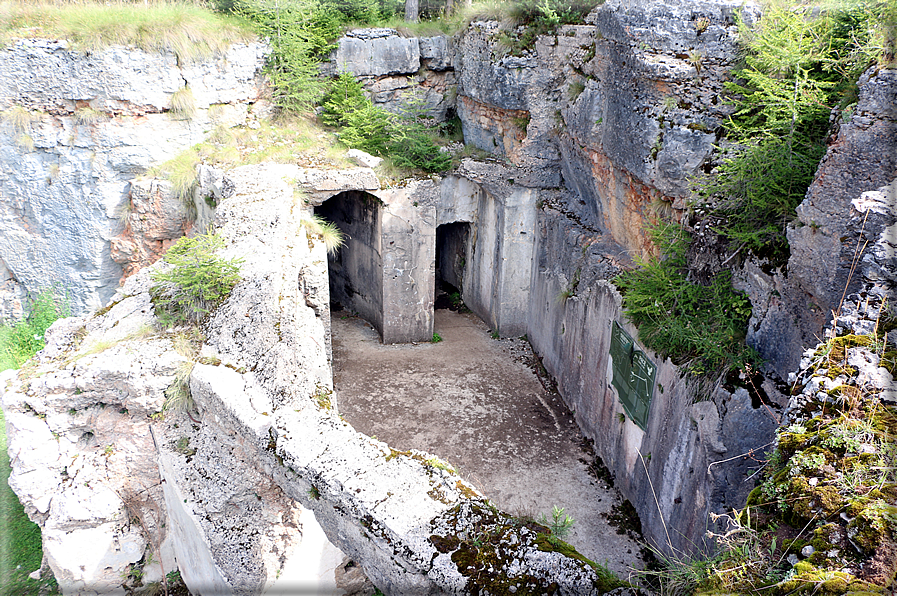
x=692, y=458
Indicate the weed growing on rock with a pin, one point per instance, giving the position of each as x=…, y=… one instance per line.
x=328, y=232
x=183, y=105
x=560, y=523
x=178, y=398
x=436, y=338
x=701, y=327
x=88, y=115
x=196, y=283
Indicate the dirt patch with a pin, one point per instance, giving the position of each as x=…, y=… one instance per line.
x=475, y=401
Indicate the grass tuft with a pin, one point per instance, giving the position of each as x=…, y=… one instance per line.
x=178, y=398
x=183, y=105
x=19, y=117
x=189, y=31
x=88, y=116
x=328, y=232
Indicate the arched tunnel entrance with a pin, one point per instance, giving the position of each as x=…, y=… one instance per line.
x=355, y=269
x=384, y=270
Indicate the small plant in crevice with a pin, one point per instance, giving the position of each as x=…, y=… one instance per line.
x=560, y=523
x=323, y=397
x=699, y=327
x=183, y=105
x=88, y=115
x=196, y=283
x=328, y=232
x=438, y=464
x=575, y=89
x=436, y=338
x=178, y=398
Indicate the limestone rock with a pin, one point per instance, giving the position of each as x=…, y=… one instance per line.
x=59, y=157
x=852, y=203
x=376, y=52
x=365, y=160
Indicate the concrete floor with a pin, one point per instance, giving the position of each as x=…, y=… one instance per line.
x=475, y=402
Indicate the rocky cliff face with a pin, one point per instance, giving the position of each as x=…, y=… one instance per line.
x=833, y=240
x=76, y=130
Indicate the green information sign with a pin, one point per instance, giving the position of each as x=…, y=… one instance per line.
x=633, y=376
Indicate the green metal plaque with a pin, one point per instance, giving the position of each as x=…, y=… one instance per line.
x=633, y=376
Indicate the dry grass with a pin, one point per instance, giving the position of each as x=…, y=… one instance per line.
x=187, y=29
x=183, y=106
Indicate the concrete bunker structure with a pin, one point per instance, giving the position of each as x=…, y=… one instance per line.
x=398, y=242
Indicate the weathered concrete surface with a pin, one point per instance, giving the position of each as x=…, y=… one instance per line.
x=496, y=275
x=693, y=458
x=385, y=269
x=262, y=411
x=91, y=124
x=791, y=307
x=476, y=403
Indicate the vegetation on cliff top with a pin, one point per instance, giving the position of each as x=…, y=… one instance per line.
x=800, y=63
x=187, y=29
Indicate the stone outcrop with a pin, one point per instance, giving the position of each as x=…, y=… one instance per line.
x=76, y=130
x=404, y=75
x=623, y=109
x=832, y=236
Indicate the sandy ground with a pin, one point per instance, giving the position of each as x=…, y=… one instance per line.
x=475, y=402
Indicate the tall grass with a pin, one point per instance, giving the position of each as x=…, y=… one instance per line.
x=20, y=539
x=23, y=340
x=189, y=30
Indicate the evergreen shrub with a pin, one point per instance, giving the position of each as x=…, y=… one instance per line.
x=198, y=281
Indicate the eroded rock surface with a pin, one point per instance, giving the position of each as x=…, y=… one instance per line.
x=84, y=127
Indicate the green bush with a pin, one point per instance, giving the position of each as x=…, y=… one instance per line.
x=364, y=126
x=23, y=340
x=759, y=190
x=300, y=33
x=198, y=281
x=345, y=96
x=702, y=327
x=800, y=63
x=532, y=18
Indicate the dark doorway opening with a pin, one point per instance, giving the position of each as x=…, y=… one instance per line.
x=355, y=269
x=452, y=241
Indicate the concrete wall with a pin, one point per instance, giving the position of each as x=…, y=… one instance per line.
x=409, y=253
x=679, y=460
x=496, y=280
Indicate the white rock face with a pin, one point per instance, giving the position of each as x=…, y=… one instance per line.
x=91, y=124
